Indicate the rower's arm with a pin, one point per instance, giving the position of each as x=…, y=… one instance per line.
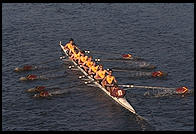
x=103, y=82
x=96, y=75
x=115, y=80
x=107, y=71
x=66, y=46
x=84, y=64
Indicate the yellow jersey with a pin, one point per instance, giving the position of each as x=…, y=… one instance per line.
x=83, y=58
x=77, y=56
x=101, y=73
x=94, y=68
x=89, y=63
x=69, y=45
x=109, y=79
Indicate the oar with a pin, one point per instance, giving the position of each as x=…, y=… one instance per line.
x=128, y=61
x=36, y=77
x=33, y=66
x=51, y=93
x=44, y=62
x=54, y=70
x=147, y=87
x=41, y=88
x=123, y=56
x=142, y=64
x=88, y=51
x=142, y=73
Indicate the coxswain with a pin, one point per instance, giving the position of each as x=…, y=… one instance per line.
x=109, y=81
x=83, y=58
x=93, y=69
x=117, y=92
x=100, y=74
x=86, y=65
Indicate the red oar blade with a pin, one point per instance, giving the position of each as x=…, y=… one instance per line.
x=31, y=77
x=126, y=56
x=181, y=90
x=159, y=74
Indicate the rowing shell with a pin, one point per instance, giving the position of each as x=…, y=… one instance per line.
x=122, y=101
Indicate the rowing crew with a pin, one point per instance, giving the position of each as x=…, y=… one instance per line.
x=104, y=77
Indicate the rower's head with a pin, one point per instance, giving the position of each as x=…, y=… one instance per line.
x=71, y=41
x=79, y=52
x=82, y=52
x=109, y=71
x=90, y=58
x=100, y=67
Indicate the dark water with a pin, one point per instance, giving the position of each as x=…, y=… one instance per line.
x=162, y=34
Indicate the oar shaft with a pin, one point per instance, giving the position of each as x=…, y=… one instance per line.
x=47, y=61
x=54, y=70
x=147, y=87
x=103, y=53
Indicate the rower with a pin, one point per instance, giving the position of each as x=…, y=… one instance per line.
x=70, y=46
x=75, y=56
x=117, y=92
x=100, y=74
x=86, y=65
x=93, y=69
x=82, y=59
x=109, y=81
